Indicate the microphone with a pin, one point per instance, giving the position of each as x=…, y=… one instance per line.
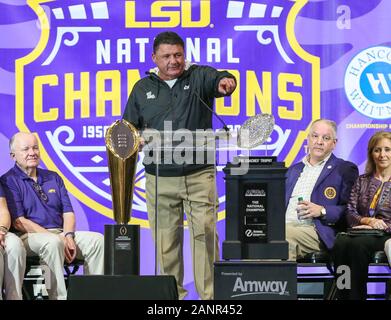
x=141, y=123
x=212, y=111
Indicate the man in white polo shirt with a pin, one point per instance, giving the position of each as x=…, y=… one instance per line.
x=317, y=191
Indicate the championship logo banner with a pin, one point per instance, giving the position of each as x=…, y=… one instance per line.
x=368, y=82
x=76, y=81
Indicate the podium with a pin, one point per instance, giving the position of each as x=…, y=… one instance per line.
x=189, y=153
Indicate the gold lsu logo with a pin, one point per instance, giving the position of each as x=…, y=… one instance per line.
x=330, y=193
x=174, y=13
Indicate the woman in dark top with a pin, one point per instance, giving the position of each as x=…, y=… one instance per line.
x=369, y=207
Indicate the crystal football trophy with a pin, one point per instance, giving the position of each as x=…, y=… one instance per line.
x=122, y=243
x=255, y=131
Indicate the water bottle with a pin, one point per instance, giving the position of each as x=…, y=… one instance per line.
x=39, y=295
x=299, y=199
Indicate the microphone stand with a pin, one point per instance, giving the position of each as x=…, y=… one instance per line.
x=211, y=110
x=157, y=148
x=156, y=209
x=215, y=198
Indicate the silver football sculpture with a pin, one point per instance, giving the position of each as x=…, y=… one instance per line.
x=255, y=131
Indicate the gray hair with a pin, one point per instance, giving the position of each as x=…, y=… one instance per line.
x=12, y=141
x=13, y=138
x=331, y=123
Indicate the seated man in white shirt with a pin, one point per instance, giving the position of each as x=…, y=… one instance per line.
x=317, y=191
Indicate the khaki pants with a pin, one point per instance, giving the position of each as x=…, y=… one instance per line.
x=50, y=249
x=12, y=267
x=302, y=239
x=195, y=195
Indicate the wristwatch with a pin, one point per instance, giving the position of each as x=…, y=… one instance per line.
x=3, y=230
x=70, y=233
x=322, y=212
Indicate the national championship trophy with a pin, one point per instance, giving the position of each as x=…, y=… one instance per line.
x=254, y=249
x=122, y=243
x=255, y=216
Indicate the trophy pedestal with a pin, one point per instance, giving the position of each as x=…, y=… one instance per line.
x=255, y=211
x=122, y=249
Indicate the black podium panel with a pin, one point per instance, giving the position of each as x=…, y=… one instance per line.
x=255, y=213
x=122, y=249
x=255, y=280
x=93, y=287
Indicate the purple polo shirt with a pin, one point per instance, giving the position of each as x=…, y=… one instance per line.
x=2, y=194
x=24, y=201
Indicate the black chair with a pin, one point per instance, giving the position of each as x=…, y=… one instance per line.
x=314, y=272
x=34, y=276
x=379, y=271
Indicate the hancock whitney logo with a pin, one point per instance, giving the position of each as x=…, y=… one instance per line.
x=75, y=83
x=368, y=82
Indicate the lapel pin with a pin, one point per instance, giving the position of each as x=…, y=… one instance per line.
x=329, y=167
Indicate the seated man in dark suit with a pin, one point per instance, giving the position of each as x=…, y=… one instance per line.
x=317, y=191
x=42, y=213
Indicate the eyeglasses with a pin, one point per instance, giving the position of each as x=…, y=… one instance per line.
x=315, y=137
x=38, y=189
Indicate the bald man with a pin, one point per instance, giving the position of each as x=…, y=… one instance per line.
x=42, y=213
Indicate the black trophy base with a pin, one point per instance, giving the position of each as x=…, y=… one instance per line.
x=122, y=249
x=233, y=250
x=255, y=280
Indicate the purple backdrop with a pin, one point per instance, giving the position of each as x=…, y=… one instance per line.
x=66, y=68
